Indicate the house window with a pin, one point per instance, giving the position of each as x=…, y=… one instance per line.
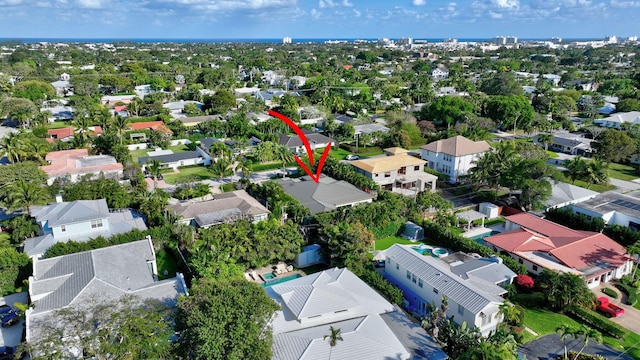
x=377, y=175
x=419, y=282
x=408, y=274
x=520, y=261
x=416, y=168
x=397, y=266
x=402, y=170
x=460, y=309
x=387, y=174
x=63, y=228
x=535, y=267
x=413, y=278
x=96, y=223
x=485, y=319
x=435, y=290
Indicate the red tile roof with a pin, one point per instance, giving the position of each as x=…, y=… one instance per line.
x=71, y=162
x=153, y=125
x=61, y=133
x=120, y=108
x=576, y=249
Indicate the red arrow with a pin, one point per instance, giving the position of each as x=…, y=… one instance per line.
x=307, y=146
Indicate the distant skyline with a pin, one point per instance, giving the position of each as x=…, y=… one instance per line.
x=255, y=19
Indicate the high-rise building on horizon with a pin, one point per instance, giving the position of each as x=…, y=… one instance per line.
x=286, y=40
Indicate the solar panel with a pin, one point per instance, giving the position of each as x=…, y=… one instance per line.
x=627, y=204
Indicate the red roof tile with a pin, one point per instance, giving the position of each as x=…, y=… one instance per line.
x=153, y=125
x=61, y=133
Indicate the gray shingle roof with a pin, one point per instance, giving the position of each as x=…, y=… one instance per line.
x=325, y=195
x=437, y=274
x=72, y=212
x=295, y=141
x=220, y=209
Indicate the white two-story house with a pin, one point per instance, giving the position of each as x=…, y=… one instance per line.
x=454, y=156
x=398, y=171
x=79, y=220
x=474, y=289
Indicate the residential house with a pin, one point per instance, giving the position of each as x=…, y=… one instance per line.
x=176, y=108
x=454, y=156
x=224, y=208
x=91, y=278
x=58, y=111
x=295, y=144
x=612, y=207
x=563, y=194
x=112, y=100
x=67, y=133
x=540, y=244
x=332, y=298
x=398, y=171
x=569, y=143
x=79, y=220
x=170, y=160
x=440, y=73
x=553, y=79
x=326, y=194
x=474, y=287
x=158, y=126
x=63, y=87
x=190, y=121
x=617, y=120
x=268, y=95
x=73, y=165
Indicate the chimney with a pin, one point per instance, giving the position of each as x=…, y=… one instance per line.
x=58, y=198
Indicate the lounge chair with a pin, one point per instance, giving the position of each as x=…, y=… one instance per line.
x=290, y=268
x=281, y=268
x=254, y=274
x=248, y=277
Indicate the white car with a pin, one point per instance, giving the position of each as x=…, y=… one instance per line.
x=352, y=157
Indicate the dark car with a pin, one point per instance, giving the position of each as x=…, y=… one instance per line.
x=9, y=318
x=5, y=309
x=7, y=352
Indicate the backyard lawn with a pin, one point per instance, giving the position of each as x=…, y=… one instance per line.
x=166, y=265
x=58, y=124
x=623, y=172
x=195, y=172
x=387, y=242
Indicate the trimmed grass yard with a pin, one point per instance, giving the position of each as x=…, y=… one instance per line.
x=197, y=172
x=595, y=187
x=545, y=322
x=167, y=266
x=58, y=125
x=387, y=242
x=552, y=155
x=623, y=172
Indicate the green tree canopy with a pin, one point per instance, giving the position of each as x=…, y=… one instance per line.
x=510, y=112
x=501, y=83
x=34, y=90
x=614, y=146
x=448, y=109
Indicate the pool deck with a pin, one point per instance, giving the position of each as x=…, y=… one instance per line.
x=249, y=275
x=476, y=231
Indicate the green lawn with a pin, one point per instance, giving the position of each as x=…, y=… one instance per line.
x=273, y=165
x=58, y=124
x=545, y=322
x=623, y=172
x=595, y=187
x=552, y=155
x=197, y=172
x=387, y=242
x=167, y=263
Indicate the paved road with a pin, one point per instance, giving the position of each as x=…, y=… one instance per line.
x=631, y=318
x=550, y=346
x=413, y=337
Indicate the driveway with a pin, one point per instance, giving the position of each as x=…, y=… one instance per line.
x=631, y=318
x=550, y=346
x=12, y=336
x=413, y=337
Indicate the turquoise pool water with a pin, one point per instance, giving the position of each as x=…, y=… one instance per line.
x=279, y=280
x=268, y=276
x=480, y=238
x=422, y=251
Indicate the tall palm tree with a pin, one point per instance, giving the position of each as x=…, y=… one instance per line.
x=23, y=194
x=284, y=155
x=587, y=334
x=565, y=332
x=12, y=146
x=154, y=167
x=219, y=151
x=221, y=169
x=120, y=124
x=635, y=250
x=333, y=337
x=244, y=166
x=81, y=129
x=576, y=168
x=545, y=139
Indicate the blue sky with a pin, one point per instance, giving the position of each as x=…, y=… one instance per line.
x=210, y=19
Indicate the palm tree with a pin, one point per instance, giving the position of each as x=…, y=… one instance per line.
x=635, y=250
x=221, y=169
x=565, y=332
x=545, y=139
x=588, y=334
x=23, y=194
x=244, y=166
x=596, y=172
x=82, y=125
x=219, y=151
x=576, y=168
x=120, y=124
x=154, y=167
x=284, y=155
x=12, y=146
x=333, y=337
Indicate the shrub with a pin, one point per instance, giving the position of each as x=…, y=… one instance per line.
x=610, y=292
x=525, y=281
x=598, y=322
x=376, y=281
x=535, y=300
x=630, y=291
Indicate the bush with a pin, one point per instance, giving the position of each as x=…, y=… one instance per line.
x=441, y=177
x=386, y=289
x=525, y=281
x=610, y=292
x=598, y=322
x=630, y=291
x=535, y=300
x=390, y=230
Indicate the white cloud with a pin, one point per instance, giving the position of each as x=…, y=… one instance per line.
x=346, y=3
x=89, y=4
x=506, y=4
x=325, y=4
x=495, y=15
x=624, y=4
x=230, y=5
x=356, y=13
x=11, y=2
x=419, y=2
x=315, y=14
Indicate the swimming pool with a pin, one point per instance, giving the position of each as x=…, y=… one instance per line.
x=268, y=276
x=480, y=238
x=278, y=280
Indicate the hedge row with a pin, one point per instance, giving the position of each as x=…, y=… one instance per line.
x=599, y=322
x=610, y=292
x=390, y=230
x=632, y=293
x=378, y=282
x=441, y=236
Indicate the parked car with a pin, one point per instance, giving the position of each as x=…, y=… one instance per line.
x=9, y=318
x=352, y=157
x=608, y=309
x=5, y=309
